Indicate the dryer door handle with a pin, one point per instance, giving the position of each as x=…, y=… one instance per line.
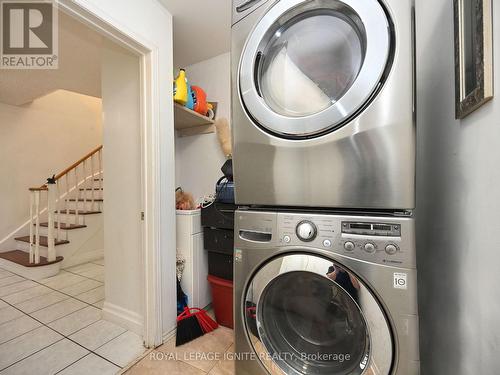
x=254, y=236
x=246, y=5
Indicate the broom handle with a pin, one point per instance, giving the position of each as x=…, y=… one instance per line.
x=187, y=312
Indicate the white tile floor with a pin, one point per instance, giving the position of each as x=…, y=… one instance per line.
x=54, y=326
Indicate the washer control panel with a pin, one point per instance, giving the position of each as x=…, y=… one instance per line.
x=385, y=240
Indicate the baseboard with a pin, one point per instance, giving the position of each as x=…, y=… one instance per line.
x=123, y=317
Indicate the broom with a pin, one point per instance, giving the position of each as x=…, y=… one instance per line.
x=193, y=323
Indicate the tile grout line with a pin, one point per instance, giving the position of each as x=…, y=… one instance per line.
x=31, y=330
x=28, y=299
x=17, y=282
x=86, y=355
x=56, y=290
x=22, y=359
x=75, y=273
x=7, y=321
x=41, y=308
x=3, y=277
x=78, y=330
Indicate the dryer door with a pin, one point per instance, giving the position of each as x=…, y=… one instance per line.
x=310, y=65
x=305, y=314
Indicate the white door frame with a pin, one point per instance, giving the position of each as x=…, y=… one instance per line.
x=155, y=142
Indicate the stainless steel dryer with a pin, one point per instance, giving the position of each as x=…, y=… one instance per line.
x=323, y=103
x=325, y=294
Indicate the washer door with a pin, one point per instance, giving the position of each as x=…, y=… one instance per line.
x=305, y=314
x=309, y=65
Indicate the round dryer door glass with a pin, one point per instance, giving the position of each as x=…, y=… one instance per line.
x=309, y=315
x=310, y=62
x=309, y=66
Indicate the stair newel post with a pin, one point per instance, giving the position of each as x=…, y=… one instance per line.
x=37, y=227
x=32, y=202
x=92, y=179
x=51, y=208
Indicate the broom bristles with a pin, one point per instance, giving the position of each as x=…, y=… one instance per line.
x=188, y=329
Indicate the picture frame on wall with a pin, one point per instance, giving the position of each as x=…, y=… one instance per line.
x=473, y=55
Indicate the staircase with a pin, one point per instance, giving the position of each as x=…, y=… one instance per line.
x=65, y=222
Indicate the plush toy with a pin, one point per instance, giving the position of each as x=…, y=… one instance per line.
x=183, y=200
x=224, y=135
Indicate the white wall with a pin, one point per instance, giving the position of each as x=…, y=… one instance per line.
x=124, y=273
x=37, y=140
x=199, y=157
x=457, y=208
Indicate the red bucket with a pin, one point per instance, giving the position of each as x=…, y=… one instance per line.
x=222, y=300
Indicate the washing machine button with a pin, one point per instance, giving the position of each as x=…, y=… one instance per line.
x=349, y=246
x=286, y=239
x=391, y=249
x=327, y=243
x=370, y=248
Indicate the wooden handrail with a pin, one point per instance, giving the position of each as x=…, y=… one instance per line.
x=71, y=167
x=77, y=163
x=41, y=188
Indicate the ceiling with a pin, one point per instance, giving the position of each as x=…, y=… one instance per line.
x=202, y=29
x=79, y=67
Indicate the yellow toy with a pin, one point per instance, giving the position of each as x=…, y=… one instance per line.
x=181, y=88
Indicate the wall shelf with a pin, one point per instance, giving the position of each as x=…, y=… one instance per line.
x=188, y=122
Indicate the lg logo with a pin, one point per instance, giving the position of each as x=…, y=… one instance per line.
x=29, y=31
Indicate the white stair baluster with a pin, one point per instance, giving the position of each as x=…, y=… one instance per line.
x=92, y=180
x=76, y=197
x=32, y=224
x=66, y=197
x=58, y=206
x=37, y=227
x=85, y=184
x=101, y=192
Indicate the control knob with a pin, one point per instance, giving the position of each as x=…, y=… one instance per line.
x=349, y=246
x=391, y=249
x=306, y=231
x=369, y=248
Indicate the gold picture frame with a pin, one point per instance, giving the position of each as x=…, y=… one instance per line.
x=473, y=55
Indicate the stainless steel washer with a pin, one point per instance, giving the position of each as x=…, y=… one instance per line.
x=322, y=106
x=325, y=294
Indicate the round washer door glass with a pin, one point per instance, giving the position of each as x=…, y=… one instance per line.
x=309, y=65
x=309, y=315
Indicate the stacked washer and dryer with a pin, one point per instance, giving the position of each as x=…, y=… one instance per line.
x=324, y=168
